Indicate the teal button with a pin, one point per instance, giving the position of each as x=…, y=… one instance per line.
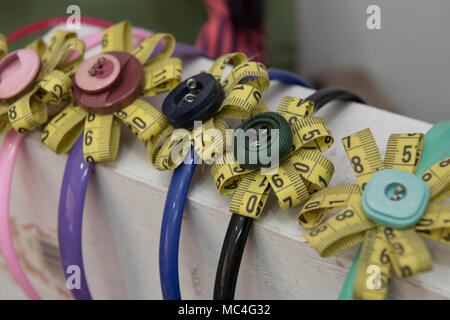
x=395, y=199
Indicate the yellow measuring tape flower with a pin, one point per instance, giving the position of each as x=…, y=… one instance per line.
x=389, y=229
x=303, y=171
x=242, y=90
x=107, y=89
x=37, y=79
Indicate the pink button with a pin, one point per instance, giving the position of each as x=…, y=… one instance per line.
x=17, y=72
x=97, y=73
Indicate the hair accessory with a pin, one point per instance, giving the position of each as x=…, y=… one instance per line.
x=32, y=80
x=101, y=130
x=201, y=97
x=386, y=213
x=236, y=98
x=13, y=140
x=300, y=173
x=106, y=89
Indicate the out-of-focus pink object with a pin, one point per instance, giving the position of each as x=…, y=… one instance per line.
x=17, y=72
x=97, y=73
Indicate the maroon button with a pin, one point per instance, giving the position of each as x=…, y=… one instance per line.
x=108, y=82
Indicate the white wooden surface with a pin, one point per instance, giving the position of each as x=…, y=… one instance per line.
x=123, y=216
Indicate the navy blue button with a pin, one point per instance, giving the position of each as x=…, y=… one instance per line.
x=195, y=99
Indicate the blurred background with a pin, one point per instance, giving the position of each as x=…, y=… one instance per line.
x=402, y=66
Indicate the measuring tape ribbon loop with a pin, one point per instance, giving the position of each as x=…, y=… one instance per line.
x=437, y=178
x=342, y=231
x=61, y=133
x=227, y=173
x=144, y=120
x=117, y=37
x=307, y=131
x=162, y=76
x=409, y=254
x=251, y=195
x=293, y=109
x=435, y=224
x=5, y=125
x=403, y=151
x=374, y=268
x=250, y=73
x=363, y=154
x=101, y=137
x=148, y=46
x=218, y=67
x=29, y=111
x=401, y=250
x=298, y=176
x=324, y=201
x=240, y=102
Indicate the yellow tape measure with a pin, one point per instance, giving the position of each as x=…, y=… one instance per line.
x=168, y=149
x=374, y=260
x=102, y=131
x=363, y=154
x=384, y=248
x=303, y=172
x=54, y=84
x=326, y=200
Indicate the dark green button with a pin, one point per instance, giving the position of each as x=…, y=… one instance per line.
x=254, y=140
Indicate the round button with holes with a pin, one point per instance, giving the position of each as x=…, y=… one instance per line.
x=395, y=199
x=18, y=70
x=108, y=82
x=194, y=99
x=262, y=141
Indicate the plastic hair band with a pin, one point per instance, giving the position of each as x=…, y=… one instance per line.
x=173, y=211
x=239, y=226
x=12, y=143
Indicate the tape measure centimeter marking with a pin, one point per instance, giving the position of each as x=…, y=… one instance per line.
x=244, y=96
x=374, y=253
x=364, y=155
x=250, y=197
x=342, y=231
x=248, y=70
x=326, y=200
x=144, y=120
x=101, y=137
x=220, y=63
x=292, y=109
x=162, y=75
x=63, y=130
x=403, y=151
x=437, y=178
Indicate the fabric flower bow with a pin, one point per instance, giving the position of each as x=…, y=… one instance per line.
x=387, y=212
x=242, y=90
x=51, y=85
x=301, y=171
x=161, y=73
